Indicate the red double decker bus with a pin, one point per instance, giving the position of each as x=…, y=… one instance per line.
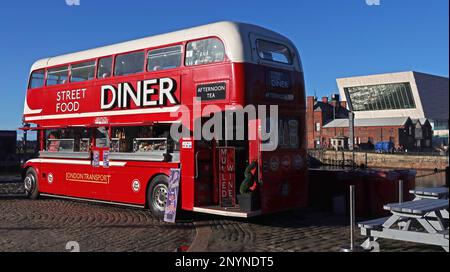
x=104, y=119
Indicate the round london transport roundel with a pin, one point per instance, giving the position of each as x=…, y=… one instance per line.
x=286, y=162
x=274, y=163
x=136, y=185
x=298, y=162
x=50, y=178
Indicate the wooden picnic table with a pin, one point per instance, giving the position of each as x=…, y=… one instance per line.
x=431, y=215
x=431, y=193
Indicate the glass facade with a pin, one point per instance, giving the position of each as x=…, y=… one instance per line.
x=439, y=124
x=381, y=97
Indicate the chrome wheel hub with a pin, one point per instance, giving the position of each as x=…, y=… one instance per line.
x=160, y=197
x=29, y=183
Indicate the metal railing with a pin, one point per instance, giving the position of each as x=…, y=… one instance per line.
x=406, y=153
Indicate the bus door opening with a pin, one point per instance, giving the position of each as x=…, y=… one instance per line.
x=232, y=160
x=220, y=167
x=204, y=175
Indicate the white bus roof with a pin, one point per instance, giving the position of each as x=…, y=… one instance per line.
x=234, y=35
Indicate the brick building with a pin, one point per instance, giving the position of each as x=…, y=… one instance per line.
x=401, y=131
x=320, y=113
x=328, y=127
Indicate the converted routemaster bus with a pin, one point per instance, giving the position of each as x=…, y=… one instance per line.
x=104, y=120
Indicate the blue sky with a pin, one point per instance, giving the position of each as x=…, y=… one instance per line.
x=336, y=38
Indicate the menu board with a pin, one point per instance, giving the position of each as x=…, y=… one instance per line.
x=170, y=213
x=96, y=158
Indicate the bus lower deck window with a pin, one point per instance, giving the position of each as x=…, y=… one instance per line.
x=141, y=139
x=67, y=140
x=102, y=137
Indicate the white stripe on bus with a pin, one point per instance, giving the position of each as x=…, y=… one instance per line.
x=102, y=113
x=76, y=162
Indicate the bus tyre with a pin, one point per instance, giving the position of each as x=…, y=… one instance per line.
x=31, y=184
x=157, y=195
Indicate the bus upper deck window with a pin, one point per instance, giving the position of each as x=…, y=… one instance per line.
x=59, y=75
x=37, y=79
x=204, y=52
x=131, y=63
x=82, y=71
x=273, y=52
x=164, y=58
x=104, y=68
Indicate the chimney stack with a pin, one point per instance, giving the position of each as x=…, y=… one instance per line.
x=334, y=100
x=310, y=103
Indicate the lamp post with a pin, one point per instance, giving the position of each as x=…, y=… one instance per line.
x=351, y=140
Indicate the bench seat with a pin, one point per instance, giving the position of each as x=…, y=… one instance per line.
x=374, y=224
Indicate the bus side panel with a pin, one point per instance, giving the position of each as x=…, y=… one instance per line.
x=73, y=180
x=116, y=183
x=52, y=179
x=187, y=174
x=284, y=170
x=283, y=189
x=129, y=183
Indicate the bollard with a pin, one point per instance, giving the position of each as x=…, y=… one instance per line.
x=447, y=176
x=353, y=247
x=400, y=191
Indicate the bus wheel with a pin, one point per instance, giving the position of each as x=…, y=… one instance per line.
x=31, y=184
x=157, y=195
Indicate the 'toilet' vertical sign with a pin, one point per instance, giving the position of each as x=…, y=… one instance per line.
x=227, y=176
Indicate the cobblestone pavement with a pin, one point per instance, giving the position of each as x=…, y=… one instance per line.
x=48, y=224
x=9, y=185
x=299, y=231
